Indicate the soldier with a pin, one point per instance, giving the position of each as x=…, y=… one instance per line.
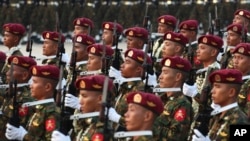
x=20, y=73
x=47, y=115
x=242, y=16
x=226, y=86
x=13, y=33
x=90, y=92
x=51, y=48
x=174, y=123
x=83, y=25
x=234, y=37
x=189, y=29
x=132, y=71
x=143, y=109
x=240, y=60
x=136, y=37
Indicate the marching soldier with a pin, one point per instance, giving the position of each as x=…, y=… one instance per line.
x=240, y=60
x=20, y=73
x=83, y=25
x=136, y=37
x=174, y=123
x=143, y=109
x=226, y=86
x=47, y=115
x=90, y=92
x=234, y=37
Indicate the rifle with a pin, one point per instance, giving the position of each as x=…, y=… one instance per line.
x=15, y=119
x=217, y=23
x=244, y=34
x=224, y=61
x=30, y=42
x=192, y=75
x=146, y=19
x=211, y=26
x=116, y=61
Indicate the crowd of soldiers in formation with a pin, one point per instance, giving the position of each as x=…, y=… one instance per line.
x=177, y=87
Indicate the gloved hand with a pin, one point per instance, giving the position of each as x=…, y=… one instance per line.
x=189, y=90
x=72, y=101
x=199, y=137
x=152, y=80
x=58, y=136
x=114, y=72
x=13, y=133
x=113, y=115
x=65, y=58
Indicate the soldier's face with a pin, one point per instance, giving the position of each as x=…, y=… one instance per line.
x=19, y=74
x=167, y=77
x=168, y=49
x=49, y=47
x=133, y=42
x=239, y=19
x=135, y=117
x=130, y=68
x=80, y=29
x=107, y=37
x=163, y=28
x=204, y=52
x=81, y=50
x=241, y=63
x=10, y=40
x=39, y=88
x=187, y=33
x=94, y=62
x=90, y=101
x=220, y=94
x=233, y=38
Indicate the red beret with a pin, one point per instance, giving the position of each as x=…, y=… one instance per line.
x=176, y=37
x=147, y=100
x=93, y=83
x=168, y=20
x=22, y=61
x=189, y=25
x=176, y=63
x=84, y=39
x=83, y=22
x=54, y=36
x=14, y=28
x=237, y=28
x=46, y=71
x=242, y=48
x=97, y=49
x=2, y=56
x=211, y=40
x=139, y=32
x=137, y=55
x=243, y=12
x=226, y=76
x=111, y=25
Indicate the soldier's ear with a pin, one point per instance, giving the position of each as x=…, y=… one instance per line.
x=178, y=76
x=149, y=115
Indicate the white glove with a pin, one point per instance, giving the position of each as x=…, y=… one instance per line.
x=114, y=72
x=63, y=83
x=13, y=133
x=189, y=90
x=72, y=101
x=199, y=137
x=65, y=58
x=58, y=136
x=113, y=115
x=152, y=80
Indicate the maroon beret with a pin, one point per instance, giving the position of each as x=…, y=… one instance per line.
x=54, y=36
x=139, y=32
x=84, y=39
x=226, y=76
x=93, y=83
x=2, y=56
x=189, y=25
x=97, y=49
x=168, y=20
x=84, y=22
x=147, y=100
x=237, y=28
x=137, y=55
x=15, y=28
x=111, y=25
x=46, y=71
x=242, y=48
x=211, y=40
x=243, y=12
x=176, y=63
x=176, y=37
x=22, y=61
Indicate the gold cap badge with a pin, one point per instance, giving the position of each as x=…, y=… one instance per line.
x=137, y=98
